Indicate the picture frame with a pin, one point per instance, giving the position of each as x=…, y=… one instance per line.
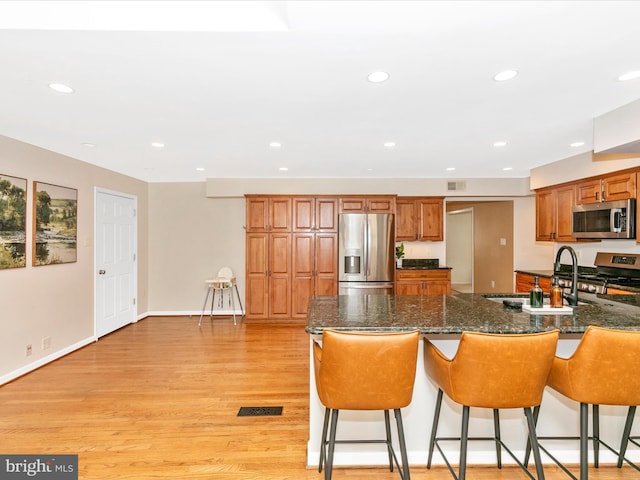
x=13, y=222
x=55, y=230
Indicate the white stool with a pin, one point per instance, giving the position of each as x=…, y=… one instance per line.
x=225, y=281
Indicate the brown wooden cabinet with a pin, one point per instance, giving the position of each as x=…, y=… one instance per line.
x=268, y=214
x=419, y=219
x=368, y=204
x=618, y=186
x=423, y=282
x=553, y=213
x=524, y=282
x=291, y=253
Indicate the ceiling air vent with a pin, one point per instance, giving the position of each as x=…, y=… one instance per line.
x=457, y=186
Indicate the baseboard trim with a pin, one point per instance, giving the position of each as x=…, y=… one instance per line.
x=44, y=360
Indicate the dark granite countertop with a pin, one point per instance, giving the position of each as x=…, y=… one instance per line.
x=421, y=264
x=455, y=313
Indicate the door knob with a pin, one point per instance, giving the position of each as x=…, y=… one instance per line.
x=101, y=272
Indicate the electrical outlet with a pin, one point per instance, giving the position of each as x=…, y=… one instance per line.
x=46, y=343
x=493, y=284
x=29, y=349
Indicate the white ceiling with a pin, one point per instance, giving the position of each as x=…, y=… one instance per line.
x=217, y=81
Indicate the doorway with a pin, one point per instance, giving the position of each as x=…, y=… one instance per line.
x=115, y=254
x=460, y=249
x=489, y=234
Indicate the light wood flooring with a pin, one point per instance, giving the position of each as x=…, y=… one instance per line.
x=159, y=399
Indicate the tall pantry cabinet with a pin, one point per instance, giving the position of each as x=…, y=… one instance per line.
x=291, y=253
x=268, y=257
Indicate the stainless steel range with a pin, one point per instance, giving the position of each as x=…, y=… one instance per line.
x=611, y=269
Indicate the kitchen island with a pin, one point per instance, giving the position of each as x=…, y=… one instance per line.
x=442, y=318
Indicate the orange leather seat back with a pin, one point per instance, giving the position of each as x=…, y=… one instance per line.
x=366, y=371
x=494, y=370
x=604, y=369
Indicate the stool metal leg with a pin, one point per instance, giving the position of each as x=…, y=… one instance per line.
x=205, y=305
x=233, y=305
x=596, y=435
x=464, y=436
x=239, y=300
x=323, y=443
x=328, y=468
x=625, y=435
x=496, y=429
x=533, y=441
x=387, y=427
x=434, y=427
x=403, y=446
x=584, y=441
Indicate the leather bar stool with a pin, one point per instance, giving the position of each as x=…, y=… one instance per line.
x=603, y=370
x=365, y=371
x=491, y=371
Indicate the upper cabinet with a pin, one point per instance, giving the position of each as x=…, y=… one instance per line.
x=268, y=213
x=553, y=213
x=609, y=188
x=315, y=214
x=368, y=204
x=419, y=219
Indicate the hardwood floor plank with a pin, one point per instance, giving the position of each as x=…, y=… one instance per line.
x=159, y=399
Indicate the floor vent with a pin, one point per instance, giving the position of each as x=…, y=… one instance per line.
x=259, y=411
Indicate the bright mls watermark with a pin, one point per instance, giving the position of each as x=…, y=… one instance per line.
x=50, y=467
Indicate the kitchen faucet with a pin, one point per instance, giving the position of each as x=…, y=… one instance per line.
x=572, y=298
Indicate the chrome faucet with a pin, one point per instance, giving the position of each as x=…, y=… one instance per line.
x=572, y=298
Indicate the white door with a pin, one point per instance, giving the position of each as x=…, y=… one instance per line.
x=115, y=254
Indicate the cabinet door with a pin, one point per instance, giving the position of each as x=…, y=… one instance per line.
x=302, y=267
x=524, y=283
x=408, y=288
x=326, y=261
x=589, y=191
x=280, y=214
x=303, y=214
x=619, y=187
x=280, y=275
x=545, y=215
x=257, y=275
x=326, y=214
x=257, y=214
x=431, y=219
x=437, y=287
x=353, y=205
x=565, y=200
x=406, y=222
x=381, y=205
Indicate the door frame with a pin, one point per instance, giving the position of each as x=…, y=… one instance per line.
x=134, y=198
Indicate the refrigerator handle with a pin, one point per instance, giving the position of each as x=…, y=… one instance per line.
x=366, y=248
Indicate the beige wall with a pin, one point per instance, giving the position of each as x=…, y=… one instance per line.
x=57, y=301
x=191, y=238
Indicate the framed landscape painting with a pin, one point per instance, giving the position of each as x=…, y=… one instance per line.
x=55, y=223
x=13, y=231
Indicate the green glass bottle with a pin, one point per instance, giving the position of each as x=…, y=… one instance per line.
x=535, y=294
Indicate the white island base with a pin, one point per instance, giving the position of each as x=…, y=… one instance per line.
x=559, y=416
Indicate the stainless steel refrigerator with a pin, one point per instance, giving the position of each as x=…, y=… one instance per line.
x=366, y=253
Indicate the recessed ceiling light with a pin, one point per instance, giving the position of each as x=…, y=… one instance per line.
x=88, y=145
x=200, y=169
x=629, y=76
x=284, y=169
x=499, y=144
x=506, y=169
x=60, y=88
x=576, y=144
x=275, y=144
x=450, y=169
x=506, y=75
x=389, y=144
x=157, y=144
x=377, y=77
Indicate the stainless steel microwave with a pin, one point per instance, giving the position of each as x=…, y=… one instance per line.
x=604, y=220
